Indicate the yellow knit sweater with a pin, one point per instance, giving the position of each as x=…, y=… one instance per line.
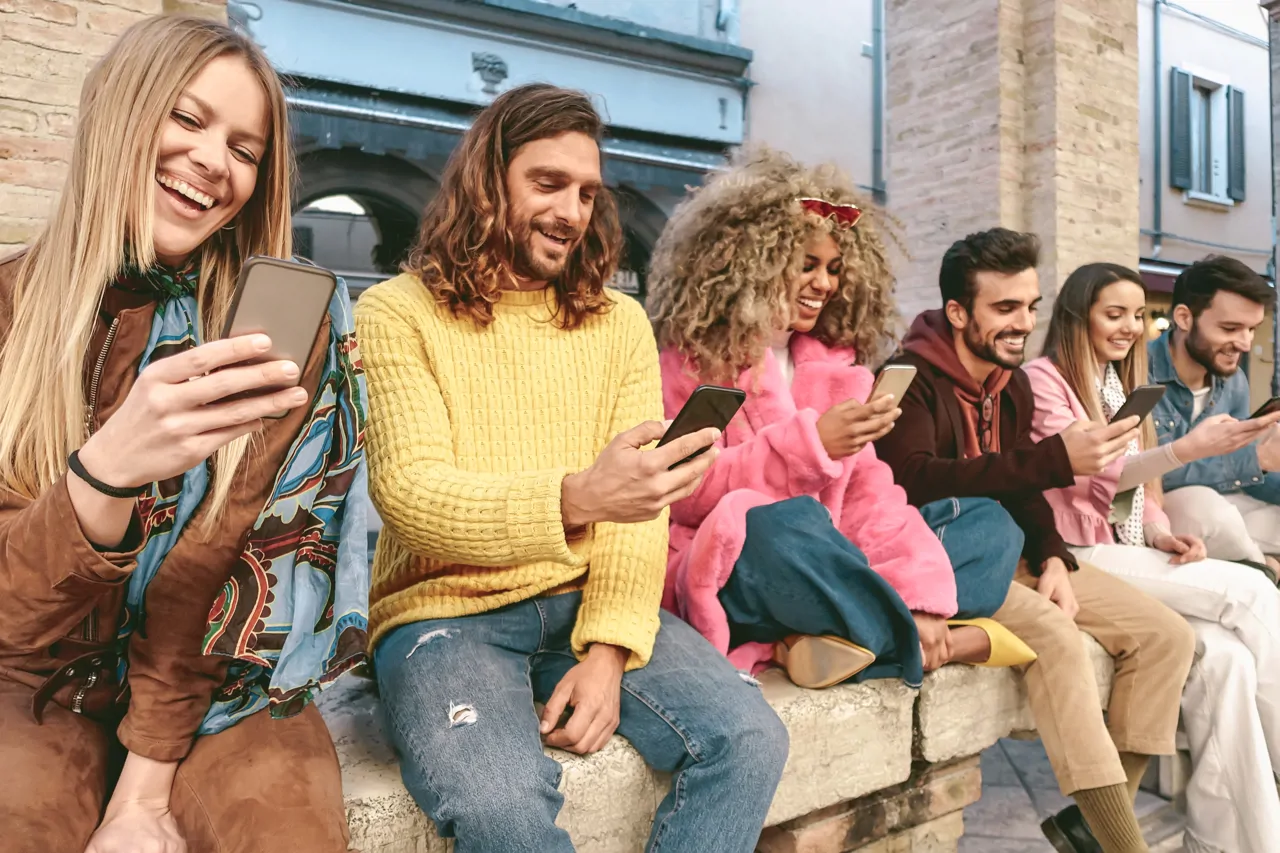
x=471, y=432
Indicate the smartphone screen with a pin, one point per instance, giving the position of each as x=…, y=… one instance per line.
x=708, y=406
x=1140, y=402
x=284, y=300
x=894, y=379
x=1267, y=408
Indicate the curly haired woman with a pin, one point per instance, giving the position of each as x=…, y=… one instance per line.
x=797, y=546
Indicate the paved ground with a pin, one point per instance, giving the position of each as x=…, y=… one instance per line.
x=1019, y=791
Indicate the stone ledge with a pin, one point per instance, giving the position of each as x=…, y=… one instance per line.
x=846, y=742
x=857, y=740
x=921, y=806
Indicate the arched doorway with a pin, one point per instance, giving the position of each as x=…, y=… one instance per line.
x=358, y=213
x=642, y=222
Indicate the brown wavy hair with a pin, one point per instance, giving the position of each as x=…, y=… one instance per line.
x=719, y=275
x=1069, y=344
x=465, y=249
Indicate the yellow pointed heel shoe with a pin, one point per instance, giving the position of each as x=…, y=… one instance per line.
x=1006, y=648
x=817, y=662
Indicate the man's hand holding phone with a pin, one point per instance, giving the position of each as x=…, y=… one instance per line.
x=1092, y=446
x=1217, y=435
x=628, y=484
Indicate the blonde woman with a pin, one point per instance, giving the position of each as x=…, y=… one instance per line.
x=177, y=575
x=797, y=545
x=1095, y=355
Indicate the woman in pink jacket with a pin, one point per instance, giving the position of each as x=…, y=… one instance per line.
x=797, y=545
x=1095, y=355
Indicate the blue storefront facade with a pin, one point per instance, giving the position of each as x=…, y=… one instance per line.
x=382, y=91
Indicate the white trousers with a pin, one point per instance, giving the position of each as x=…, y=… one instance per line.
x=1231, y=704
x=1233, y=527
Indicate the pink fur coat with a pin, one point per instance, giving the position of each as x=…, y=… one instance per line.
x=772, y=452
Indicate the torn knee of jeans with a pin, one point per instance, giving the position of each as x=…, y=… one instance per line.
x=749, y=678
x=438, y=633
x=461, y=715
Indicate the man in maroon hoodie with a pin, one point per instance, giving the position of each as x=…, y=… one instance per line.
x=965, y=431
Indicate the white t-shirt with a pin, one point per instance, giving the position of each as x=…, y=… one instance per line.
x=782, y=355
x=1198, y=399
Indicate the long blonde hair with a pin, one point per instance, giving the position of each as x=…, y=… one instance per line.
x=1069, y=345
x=719, y=274
x=105, y=215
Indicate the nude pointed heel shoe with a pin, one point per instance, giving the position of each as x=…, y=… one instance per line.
x=817, y=662
x=1006, y=648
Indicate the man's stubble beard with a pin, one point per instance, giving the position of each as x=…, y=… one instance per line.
x=973, y=340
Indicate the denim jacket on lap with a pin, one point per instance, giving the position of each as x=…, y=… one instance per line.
x=1229, y=472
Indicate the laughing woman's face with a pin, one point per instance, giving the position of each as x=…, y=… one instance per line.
x=211, y=146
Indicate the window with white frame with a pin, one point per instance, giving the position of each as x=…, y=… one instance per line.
x=1206, y=138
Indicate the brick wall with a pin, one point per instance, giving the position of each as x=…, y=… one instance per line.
x=1022, y=113
x=46, y=48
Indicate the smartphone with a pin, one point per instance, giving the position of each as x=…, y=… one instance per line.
x=1140, y=402
x=708, y=406
x=285, y=300
x=894, y=379
x=1267, y=408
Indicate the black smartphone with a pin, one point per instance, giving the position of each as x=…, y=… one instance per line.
x=1140, y=403
x=1267, y=408
x=285, y=300
x=707, y=406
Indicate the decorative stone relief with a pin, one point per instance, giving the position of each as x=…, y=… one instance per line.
x=492, y=70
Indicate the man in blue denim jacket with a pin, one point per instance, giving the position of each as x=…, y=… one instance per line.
x=1231, y=501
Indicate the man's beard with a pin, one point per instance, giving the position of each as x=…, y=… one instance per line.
x=528, y=265
x=987, y=351
x=1202, y=353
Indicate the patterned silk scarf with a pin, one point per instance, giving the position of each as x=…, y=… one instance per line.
x=1127, y=508
x=293, y=615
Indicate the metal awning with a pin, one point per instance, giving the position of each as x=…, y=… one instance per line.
x=328, y=117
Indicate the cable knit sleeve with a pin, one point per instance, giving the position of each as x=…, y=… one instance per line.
x=435, y=508
x=628, y=561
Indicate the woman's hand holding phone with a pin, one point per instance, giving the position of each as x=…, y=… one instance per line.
x=848, y=427
x=176, y=414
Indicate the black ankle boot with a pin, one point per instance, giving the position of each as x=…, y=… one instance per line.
x=1068, y=833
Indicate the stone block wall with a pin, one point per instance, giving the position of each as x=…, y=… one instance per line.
x=1021, y=113
x=46, y=49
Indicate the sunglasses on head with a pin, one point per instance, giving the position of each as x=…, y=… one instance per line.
x=844, y=215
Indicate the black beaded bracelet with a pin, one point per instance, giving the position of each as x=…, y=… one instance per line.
x=77, y=467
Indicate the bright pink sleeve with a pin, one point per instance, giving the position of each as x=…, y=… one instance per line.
x=897, y=541
x=1056, y=409
x=783, y=460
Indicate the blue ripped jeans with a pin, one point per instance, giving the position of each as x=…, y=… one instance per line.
x=458, y=696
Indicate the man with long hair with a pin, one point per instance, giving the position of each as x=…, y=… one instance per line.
x=965, y=431
x=526, y=526
x=1231, y=501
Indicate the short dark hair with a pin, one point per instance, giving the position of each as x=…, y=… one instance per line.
x=1199, y=283
x=996, y=250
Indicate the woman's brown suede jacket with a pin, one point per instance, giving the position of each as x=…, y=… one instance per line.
x=61, y=599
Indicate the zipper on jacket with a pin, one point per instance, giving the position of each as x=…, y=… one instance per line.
x=97, y=375
x=77, y=698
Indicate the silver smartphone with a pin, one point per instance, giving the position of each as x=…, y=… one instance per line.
x=285, y=300
x=894, y=379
